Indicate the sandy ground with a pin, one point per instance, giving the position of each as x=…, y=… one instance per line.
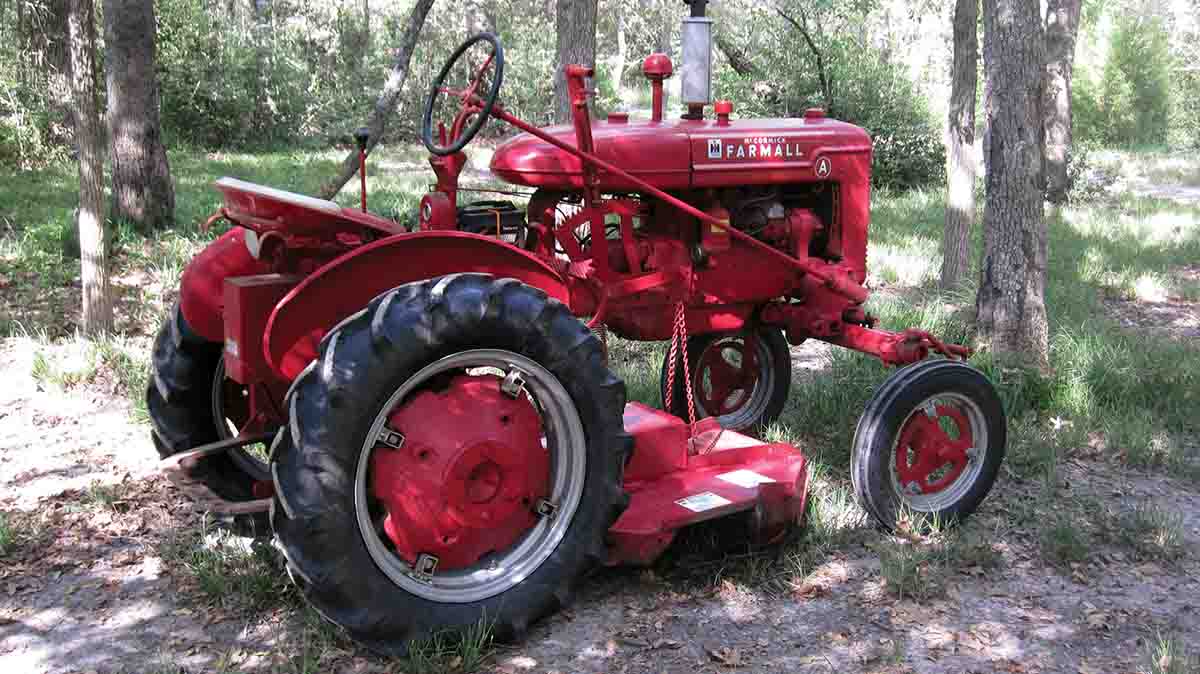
x=94, y=593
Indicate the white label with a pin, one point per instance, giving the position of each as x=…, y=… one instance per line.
x=707, y=500
x=231, y=346
x=745, y=478
x=714, y=148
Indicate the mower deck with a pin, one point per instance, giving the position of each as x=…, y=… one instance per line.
x=728, y=473
x=670, y=486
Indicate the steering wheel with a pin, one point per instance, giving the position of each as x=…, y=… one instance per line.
x=471, y=106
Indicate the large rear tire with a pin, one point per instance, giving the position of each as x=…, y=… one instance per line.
x=428, y=344
x=184, y=401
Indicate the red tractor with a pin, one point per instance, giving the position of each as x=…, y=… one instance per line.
x=447, y=443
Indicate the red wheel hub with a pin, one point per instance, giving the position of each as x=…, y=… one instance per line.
x=469, y=475
x=930, y=455
x=727, y=386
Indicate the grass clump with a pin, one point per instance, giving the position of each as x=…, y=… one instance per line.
x=8, y=534
x=233, y=571
x=911, y=568
x=1151, y=532
x=101, y=496
x=1168, y=655
x=461, y=652
x=1062, y=539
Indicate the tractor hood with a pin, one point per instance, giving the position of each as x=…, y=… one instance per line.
x=682, y=154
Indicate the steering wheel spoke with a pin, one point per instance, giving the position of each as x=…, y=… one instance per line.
x=475, y=102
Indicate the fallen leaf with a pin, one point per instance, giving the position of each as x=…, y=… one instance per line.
x=730, y=657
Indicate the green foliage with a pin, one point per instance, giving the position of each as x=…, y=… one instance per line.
x=7, y=534
x=868, y=88
x=1130, y=105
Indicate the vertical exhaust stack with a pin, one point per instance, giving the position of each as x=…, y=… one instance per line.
x=696, y=48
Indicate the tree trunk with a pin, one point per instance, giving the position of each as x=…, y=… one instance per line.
x=576, y=44
x=142, y=190
x=621, y=58
x=386, y=103
x=1062, y=25
x=81, y=38
x=738, y=60
x=960, y=142
x=1011, y=300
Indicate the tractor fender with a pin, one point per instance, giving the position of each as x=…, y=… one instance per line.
x=202, y=286
x=346, y=284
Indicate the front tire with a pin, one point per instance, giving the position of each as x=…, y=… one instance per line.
x=930, y=441
x=403, y=370
x=746, y=390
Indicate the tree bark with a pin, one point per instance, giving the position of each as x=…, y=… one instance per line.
x=1011, y=299
x=386, y=103
x=738, y=60
x=141, y=176
x=81, y=38
x=960, y=142
x=576, y=44
x=1062, y=25
x=621, y=58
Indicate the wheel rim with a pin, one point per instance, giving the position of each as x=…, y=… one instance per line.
x=938, y=453
x=734, y=383
x=488, y=472
x=231, y=413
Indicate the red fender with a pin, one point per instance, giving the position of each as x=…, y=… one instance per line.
x=202, y=287
x=346, y=284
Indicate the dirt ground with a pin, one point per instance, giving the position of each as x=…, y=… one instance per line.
x=89, y=590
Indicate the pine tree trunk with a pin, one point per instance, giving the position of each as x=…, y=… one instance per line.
x=386, y=103
x=81, y=38
x=1011, y=299
x=1062, y=25
x=141, y=176
x=576, y=44
x=960, y=142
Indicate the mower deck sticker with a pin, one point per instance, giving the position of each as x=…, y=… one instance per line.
x=705, y=500
x=745, y=478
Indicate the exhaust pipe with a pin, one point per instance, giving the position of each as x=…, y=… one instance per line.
x=696, y=73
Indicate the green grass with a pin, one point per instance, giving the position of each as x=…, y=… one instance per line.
x=1063, y=540
x=1170, y=655
x=8, y=534
x=231, y=571
x=1149, y=531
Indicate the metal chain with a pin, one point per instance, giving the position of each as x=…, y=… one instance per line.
x=679, y=351
x=601, y=331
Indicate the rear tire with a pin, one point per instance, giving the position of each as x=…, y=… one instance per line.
x=179, y=398
x=360, y=374
x=948, y=421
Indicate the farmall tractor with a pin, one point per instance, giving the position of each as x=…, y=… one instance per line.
x=447, y=442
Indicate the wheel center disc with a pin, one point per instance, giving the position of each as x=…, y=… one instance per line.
x=726, y=376
x=466, y=480
x=934, y=449
x=484, y=482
